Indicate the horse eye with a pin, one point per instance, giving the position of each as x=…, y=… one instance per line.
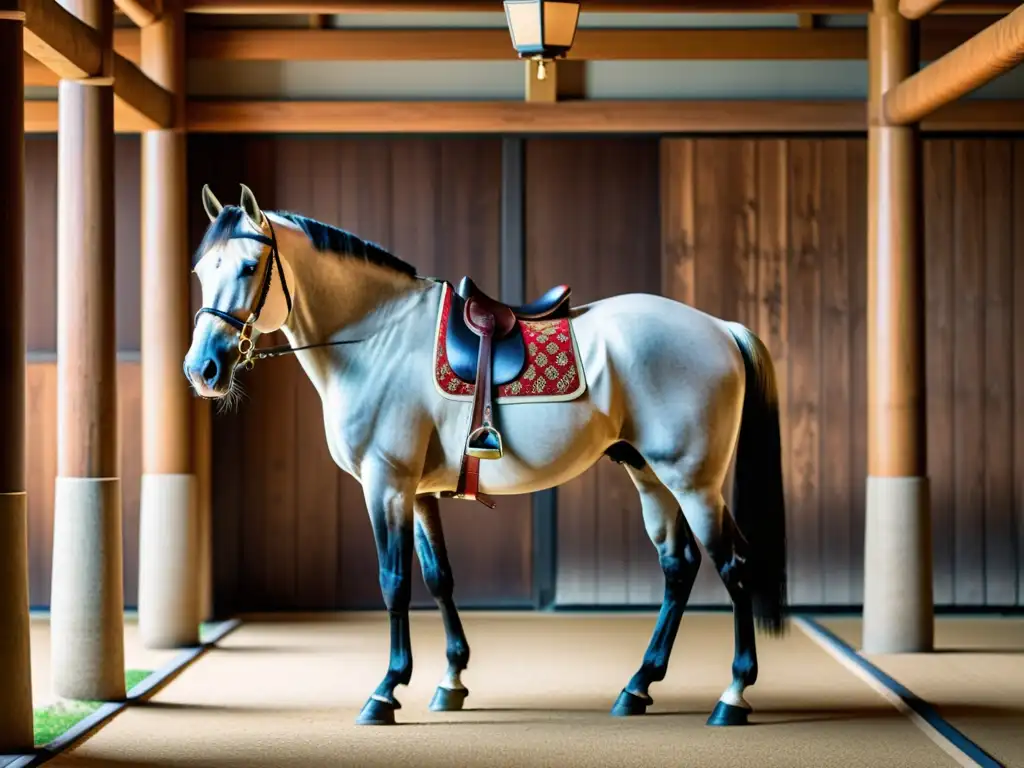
x=248, y=269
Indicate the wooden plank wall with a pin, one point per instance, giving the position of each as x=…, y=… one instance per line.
x=772, y=233
x=290, y=529
x=768, y=232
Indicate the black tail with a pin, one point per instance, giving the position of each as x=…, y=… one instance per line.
x=758, y=504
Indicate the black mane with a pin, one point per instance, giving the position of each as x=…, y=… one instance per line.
x=323, y=237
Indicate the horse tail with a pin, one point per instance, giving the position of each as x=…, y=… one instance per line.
x=758, y=503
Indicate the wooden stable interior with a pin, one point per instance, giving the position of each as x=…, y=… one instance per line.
x=756, y=211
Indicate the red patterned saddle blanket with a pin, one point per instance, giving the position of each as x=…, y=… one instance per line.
x=552, y=369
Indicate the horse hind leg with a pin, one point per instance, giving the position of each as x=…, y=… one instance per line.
x=730, y=559
x=679, y=556
x=437, y=575
x=710, y=520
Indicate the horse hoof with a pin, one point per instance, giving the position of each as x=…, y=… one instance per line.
x=630, y=704
x=377, y=712
x=448, y=699
x=727, y=714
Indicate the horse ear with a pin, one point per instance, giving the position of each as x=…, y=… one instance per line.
x=251, y=207
x=211, y=204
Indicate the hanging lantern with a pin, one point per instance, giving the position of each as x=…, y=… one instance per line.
x=542, y=29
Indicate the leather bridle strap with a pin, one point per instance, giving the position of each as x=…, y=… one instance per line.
x=245, y=343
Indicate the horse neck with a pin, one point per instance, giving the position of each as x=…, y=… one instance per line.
x=338, y=297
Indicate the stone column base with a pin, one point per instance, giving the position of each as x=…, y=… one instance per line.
x=898, y=607
x=168, y=562
x=87, y=595
x=15, y=660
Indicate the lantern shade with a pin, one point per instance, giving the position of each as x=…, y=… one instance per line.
x=544, y=28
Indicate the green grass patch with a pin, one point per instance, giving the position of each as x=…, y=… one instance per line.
x=58, y=718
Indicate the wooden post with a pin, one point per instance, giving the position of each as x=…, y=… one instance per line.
x=87, y=601
x=168, y=528
x=15, y=671
x=898, y=613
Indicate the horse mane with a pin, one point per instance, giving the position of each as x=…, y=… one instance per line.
x=323, y=238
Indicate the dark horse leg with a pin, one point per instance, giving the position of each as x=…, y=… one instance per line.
x=391, y=516
x=730, y=559
x=437, y=575
x=680, y=557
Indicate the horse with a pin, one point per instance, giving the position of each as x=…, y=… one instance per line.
x=671, y=394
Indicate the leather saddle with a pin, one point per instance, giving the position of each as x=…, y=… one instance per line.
x=485, y=347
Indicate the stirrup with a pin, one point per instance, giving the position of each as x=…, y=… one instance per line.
x=484, y=443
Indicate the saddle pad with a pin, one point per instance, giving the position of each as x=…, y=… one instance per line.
x=553, y=370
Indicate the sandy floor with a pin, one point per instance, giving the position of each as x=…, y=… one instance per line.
x=135, y=656
x=975, y=680
x=281, y=694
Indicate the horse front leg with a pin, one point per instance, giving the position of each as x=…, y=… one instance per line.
x=437, y=575
x=390, y=504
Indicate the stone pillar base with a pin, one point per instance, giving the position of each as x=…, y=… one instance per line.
x=87, y=600
x=168, y=562
x=898, y=607
x=15, y=659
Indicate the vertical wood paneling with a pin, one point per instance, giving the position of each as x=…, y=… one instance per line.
x=1000, y=558
x=836, y=418
x=1018, y=358
x=768, y=232
x=939, y=353
x=298, y=531
x=968, y=381
x=857, y=250
x=592, y=220
x=805, y=267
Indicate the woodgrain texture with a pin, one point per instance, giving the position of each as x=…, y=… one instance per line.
x=770, y=232
x=295, y=534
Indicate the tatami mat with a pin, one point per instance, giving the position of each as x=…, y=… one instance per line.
x=975, y=679
x=282, y=694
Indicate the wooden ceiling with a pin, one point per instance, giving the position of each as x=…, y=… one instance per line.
x=603, y=6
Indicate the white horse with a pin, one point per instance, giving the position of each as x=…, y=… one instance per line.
x=670, y=393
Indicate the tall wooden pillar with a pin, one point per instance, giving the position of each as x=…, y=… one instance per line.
x=898, y=612
x=16, y=688
x=169, y=530
x=87, y=602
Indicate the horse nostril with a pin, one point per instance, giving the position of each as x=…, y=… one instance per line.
x=210, y=371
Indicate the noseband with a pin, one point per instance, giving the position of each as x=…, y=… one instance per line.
x=245, y=343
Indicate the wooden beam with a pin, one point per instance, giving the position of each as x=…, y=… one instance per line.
x=990, y=53
x=126, y=42
x=305, y=7
x=135, y=91
x=591, y=44
x=60, y=41
x=831, y=116
x=917, y=9
x=141, y=12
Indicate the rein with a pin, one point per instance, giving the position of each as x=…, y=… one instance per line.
x=246, y=347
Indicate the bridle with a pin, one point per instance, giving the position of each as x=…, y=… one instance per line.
x=246, y=347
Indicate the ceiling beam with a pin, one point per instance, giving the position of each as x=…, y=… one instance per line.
x=60, y=41
x=939, y=37
x=985, y=56
x=916, y=9
x=657, y=117
x=141, y=12
x=300, y=7
x=126, y=43
x=154, y=105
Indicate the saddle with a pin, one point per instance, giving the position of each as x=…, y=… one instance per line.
x=485, y=347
